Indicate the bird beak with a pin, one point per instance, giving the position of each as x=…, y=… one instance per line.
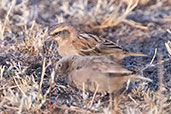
x=50, y=38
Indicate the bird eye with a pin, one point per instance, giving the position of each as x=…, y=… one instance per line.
x=55, y=34
x=59, y=66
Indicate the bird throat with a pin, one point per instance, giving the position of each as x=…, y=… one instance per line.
x=67, y=50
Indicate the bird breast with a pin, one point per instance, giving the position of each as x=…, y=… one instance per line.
x=69, y=50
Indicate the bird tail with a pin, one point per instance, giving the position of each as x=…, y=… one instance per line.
x=136, y=54
x=135, y=77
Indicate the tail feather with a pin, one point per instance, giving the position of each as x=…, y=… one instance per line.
x=138, y=77
x=136, y=54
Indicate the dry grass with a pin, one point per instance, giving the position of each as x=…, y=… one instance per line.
x=168, y=47
x=102, y=14
x=27, y=75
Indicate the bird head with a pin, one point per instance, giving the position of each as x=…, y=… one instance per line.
x=61, y=32
x=64, y=65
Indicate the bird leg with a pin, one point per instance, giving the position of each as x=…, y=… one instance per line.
x=91, y=102
x=116, y=100
x=111, y=98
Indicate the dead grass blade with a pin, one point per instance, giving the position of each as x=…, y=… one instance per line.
x=168, y=47
x=6, y=19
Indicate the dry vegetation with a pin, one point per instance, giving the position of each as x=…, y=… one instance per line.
x=28, y=83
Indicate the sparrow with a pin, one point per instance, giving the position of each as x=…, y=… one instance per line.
x=75, y=42
x=94, y=72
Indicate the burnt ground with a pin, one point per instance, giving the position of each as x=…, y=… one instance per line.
x=23, y=49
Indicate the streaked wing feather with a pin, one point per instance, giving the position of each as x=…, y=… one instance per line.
x=93, y=45
x=108, y=66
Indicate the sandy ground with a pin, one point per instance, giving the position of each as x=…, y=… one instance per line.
x=23, y=30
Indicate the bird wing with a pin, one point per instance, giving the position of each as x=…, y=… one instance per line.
x=93, y=45
x=105, y=65
x=88, y=44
